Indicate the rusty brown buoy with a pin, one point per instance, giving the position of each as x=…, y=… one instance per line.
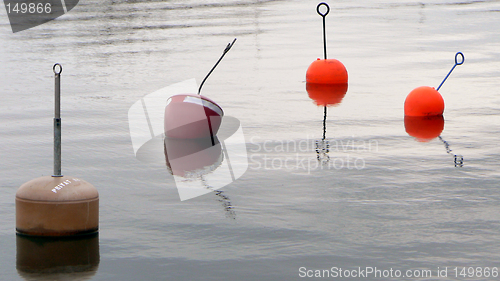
x=57, y=205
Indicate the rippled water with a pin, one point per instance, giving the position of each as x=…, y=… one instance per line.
x=400, y=203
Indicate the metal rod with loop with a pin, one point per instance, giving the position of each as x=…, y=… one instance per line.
x=57, y=121
x=324, y=24
x=456, y=63
x=228, y=47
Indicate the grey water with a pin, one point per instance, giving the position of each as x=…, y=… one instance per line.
x=379, y=198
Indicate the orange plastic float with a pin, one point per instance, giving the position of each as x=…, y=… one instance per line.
x=424, y=101
x=326, y=71
x=427, y=101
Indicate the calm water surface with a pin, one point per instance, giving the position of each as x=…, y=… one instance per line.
x=395, y=202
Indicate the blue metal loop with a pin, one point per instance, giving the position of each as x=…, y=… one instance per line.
x=456, y=58
x=327, y=9
x=456, y=63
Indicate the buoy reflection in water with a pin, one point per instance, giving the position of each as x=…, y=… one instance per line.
x=192, y=161
x=57, y=258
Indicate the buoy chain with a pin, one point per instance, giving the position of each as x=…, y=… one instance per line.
x=221, y=195
x=228, y=207
x=458, y=159
x=447, y=146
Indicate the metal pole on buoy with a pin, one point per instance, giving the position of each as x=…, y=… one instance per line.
x=228, y=47
x=324, y=22
x=57, y=205
x=326, y=71
x=57, y=121
x=456, y=63
x=427, y=101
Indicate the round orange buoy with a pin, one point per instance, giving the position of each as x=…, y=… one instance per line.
x=57, y=206
x=326, y=94
x=424, y=101
x=424, y=129
x=328, y=71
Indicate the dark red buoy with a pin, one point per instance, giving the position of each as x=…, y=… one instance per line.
x=192, y=116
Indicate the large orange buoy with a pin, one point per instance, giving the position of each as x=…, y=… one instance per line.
x=424, y=101
x=427, y=101
x=326, y=71
x=425, y=128
x=326, y=94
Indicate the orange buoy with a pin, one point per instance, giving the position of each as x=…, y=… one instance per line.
x=424, y=101
x=424, y=128
x=326, y=94
x=427, y=101
x=328, y=71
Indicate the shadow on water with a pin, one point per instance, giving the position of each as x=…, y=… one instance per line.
x=57, y=258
